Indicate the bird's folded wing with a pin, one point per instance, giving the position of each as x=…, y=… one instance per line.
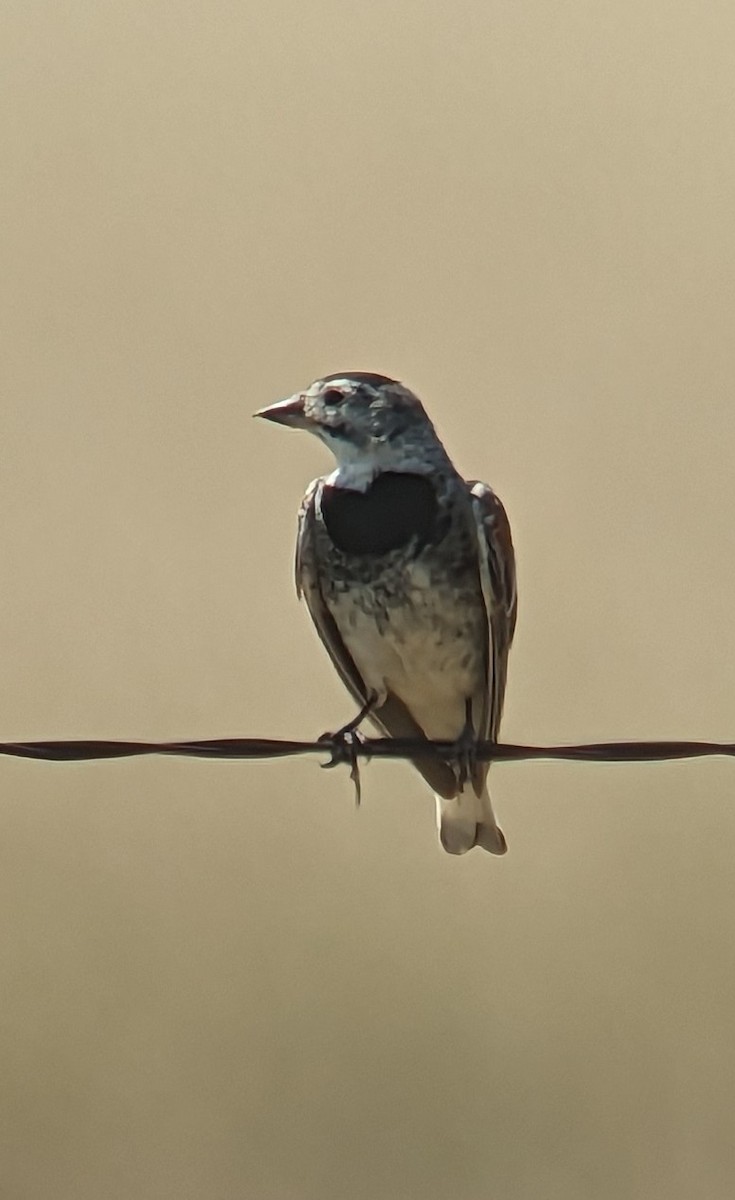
x=498, y=580
x=392, y=717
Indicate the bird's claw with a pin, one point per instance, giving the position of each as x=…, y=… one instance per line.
x=343, y=747
x=345, y=743
x=465, y=751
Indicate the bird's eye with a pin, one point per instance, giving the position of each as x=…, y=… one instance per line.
x=333, y=396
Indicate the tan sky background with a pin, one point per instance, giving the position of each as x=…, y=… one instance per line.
x=219, y=981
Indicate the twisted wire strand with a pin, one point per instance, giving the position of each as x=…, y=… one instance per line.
x=351, y=747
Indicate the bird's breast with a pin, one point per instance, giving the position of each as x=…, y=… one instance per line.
x=397, y=510
x=423, y=643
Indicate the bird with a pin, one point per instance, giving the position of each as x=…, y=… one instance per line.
x=408, y=573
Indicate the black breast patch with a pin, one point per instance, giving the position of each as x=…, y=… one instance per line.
x=395, y=509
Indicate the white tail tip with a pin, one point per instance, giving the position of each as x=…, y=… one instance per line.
x=467, y=821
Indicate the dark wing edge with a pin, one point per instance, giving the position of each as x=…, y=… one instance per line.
x=392, y=718
x=498, y=578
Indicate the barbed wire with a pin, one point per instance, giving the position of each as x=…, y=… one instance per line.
x=346, y=748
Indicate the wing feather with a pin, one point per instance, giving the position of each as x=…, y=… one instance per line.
x=498, y=579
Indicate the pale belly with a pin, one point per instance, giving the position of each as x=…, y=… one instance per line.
x=429, y=652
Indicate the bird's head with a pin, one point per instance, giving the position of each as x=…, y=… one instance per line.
x=370, y=423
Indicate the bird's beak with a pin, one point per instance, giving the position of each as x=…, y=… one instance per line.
x=286, y=412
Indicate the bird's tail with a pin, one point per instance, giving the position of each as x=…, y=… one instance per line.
x=468, y=820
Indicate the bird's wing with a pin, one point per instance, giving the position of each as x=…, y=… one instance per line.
x=498, y=578
x=392, y=718
x=308, y=588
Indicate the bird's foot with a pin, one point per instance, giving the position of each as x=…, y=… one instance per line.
x=345, y=744
x=344, y=747
x=465, y=750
